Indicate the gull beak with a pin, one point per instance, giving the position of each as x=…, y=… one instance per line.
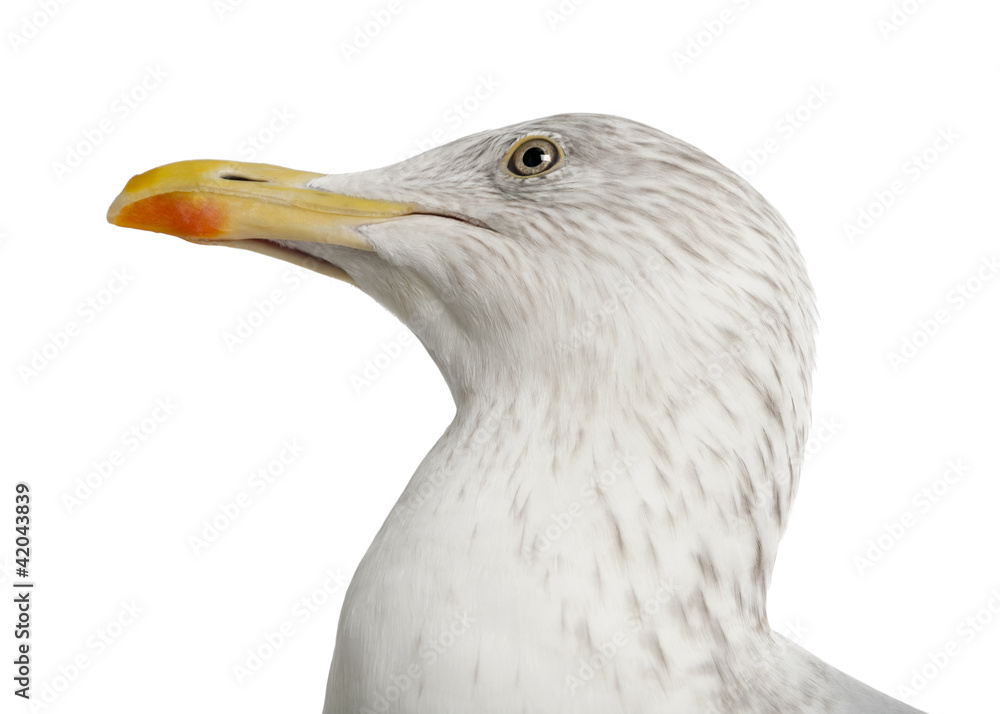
x=249, y=206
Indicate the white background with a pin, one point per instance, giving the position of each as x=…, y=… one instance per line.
x=891, y=432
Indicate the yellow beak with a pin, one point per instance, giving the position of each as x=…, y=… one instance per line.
x=248, y=206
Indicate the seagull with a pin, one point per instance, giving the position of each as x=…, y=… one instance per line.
x=627, y=330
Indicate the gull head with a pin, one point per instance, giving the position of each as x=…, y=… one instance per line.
x=566, y=249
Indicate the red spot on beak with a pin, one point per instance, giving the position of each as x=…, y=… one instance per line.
x=182, y=214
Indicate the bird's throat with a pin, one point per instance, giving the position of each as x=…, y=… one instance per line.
x=617, y=508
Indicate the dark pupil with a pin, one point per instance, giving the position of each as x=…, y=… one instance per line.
x=533, y=157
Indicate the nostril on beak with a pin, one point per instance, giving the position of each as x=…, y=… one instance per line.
x=234, y=177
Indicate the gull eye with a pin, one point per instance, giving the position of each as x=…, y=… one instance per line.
x=533, y=156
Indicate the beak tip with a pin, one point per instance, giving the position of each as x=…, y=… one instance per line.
x=114, y=210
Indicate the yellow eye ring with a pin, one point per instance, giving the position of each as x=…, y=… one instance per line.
x=533, y=156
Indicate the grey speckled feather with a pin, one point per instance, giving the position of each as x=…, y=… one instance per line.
x=629, y=342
